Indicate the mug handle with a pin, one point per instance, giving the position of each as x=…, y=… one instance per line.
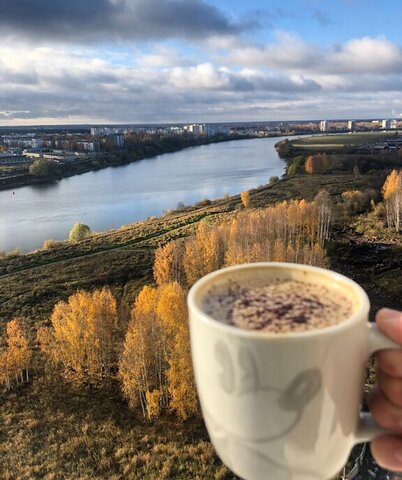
x=368, y=428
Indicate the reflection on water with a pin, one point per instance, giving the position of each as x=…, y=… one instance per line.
x=119, y=195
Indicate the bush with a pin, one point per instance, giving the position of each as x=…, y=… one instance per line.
x=356, y=201
x=43, y=168
x=49, y=244
x=203, y=203
x=273, y=179
x=13, y=253
x=79, y=232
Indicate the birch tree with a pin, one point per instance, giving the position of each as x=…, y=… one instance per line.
x=324, y=208
x=84, y=335
x=392, y=193
x=168, y=264
x=15, y=355
x=142, y=365
x=172, y=312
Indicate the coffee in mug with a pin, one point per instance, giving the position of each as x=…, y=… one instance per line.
x=278, y=306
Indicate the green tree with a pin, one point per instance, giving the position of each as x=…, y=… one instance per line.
x=296, y=166
x=43, y=168
x=79, y=232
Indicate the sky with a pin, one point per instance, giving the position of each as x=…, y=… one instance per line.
x=175, y=61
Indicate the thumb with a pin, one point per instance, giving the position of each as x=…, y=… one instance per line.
x=390, y=322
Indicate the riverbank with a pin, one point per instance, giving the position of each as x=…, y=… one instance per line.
x=131, y=153
x=111, y=197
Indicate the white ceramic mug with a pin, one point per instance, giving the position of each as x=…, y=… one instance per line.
x=283, y=406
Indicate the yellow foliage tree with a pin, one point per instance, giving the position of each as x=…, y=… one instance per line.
x=392, y=184
x=245, y=198
x=84, y=337
x=287, y=231
x=16, y=356
x=392, y=193
x=142, y=364
x=204, y=252
x=155, y=365
x=168, y=264
x=153, y=403
x=318, y=163
x=309, y=165
x=172, y=312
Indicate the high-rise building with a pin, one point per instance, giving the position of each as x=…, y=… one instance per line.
x=351, y=125
x=118, y=140
x=386, y=124
x=324, y=125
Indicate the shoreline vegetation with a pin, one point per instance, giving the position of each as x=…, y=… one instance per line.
x=64, y=419
x=132, y=152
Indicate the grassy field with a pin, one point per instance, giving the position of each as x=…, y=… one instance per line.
x=50, y=433
x=341, y=140
x=51, y=429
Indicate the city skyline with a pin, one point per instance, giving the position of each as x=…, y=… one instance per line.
x=173, y=61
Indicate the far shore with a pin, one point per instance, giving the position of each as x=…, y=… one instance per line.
x=105, y=160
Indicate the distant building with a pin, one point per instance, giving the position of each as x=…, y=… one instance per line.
x=394, y=124
x=24, y=141
x=88, y=146
x=36, y=143
x=324, y=126
x=211, y=130
x=195, y=129
x=118, y=140
x=386, y=124
x=9, y=159
x=102, y=131
x=207, y=129
x=351, y=125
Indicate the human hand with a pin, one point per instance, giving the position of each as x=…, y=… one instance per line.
x=386, y=397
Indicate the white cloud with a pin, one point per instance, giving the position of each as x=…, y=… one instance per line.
x=289, y=52
x=203, y=76
x=292, y=54
x=366, y=55
x=60, y=84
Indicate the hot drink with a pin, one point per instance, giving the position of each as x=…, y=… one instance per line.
x=278, y=306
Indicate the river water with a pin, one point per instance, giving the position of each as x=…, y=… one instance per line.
x=116, y=196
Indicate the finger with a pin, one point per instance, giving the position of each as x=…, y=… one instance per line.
x=385, y=413
x=390, y=362
x=387, y=452
x=390, y=322
x=391, y=387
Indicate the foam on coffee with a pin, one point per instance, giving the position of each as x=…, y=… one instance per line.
x=278, y=306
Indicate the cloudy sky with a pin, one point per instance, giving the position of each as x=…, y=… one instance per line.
x=151, y=61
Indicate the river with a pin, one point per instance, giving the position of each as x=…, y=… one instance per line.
x=116, y=196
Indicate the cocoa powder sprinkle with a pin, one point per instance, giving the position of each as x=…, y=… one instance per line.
x=279, y=306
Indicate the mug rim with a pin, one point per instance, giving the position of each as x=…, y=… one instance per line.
x=356, y=317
